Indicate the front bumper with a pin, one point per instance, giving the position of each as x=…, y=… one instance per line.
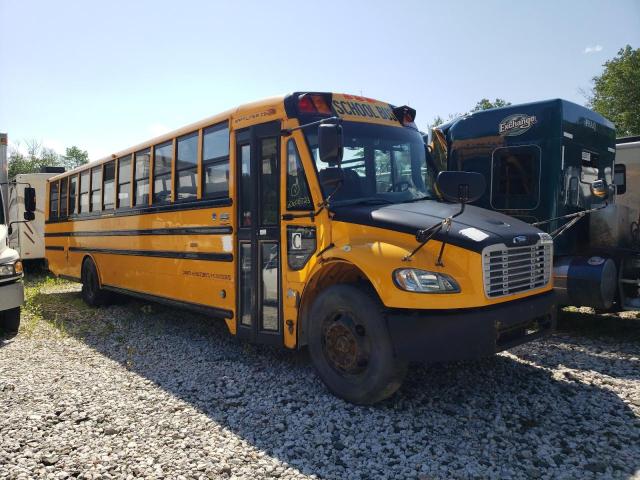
x=11, y=295
x=466, y=334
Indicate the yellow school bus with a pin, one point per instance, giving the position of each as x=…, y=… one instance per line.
x=312, y=219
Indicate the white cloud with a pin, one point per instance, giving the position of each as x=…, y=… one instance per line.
x=594, y=49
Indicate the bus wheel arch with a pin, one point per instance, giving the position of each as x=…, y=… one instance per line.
x=92, y=292
x=330, y=273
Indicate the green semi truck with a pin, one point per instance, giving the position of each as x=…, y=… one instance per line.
x=552, y=164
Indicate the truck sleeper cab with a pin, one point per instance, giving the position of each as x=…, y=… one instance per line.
x=316, y=238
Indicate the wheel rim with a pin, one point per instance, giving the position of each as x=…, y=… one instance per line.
x=345, y=344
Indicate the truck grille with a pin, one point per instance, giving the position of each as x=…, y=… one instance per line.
x=510, y=270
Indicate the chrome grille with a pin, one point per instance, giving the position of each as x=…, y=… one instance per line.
x=510, y=270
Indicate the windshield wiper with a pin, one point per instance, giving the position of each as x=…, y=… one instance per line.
x=426, y=197
x=363, y=201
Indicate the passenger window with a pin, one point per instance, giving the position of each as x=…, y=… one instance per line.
x=109, y=185
x=187, y=167
x=298, y=196
x=84, y=191
x=63, y=196
x=73, y=186
x=215, y=161
x=162, y=172
x=53, y=199
x=124, y=182
x=515, y=178
x=96, y=189
x=142, y=177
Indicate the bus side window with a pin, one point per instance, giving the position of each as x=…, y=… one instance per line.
x=162, y=158
x=141, y=194
x=53, y=200
x=298, y=196
x=73, y=184
x=96, y=188
x=215, y=161
x=187, y=167
x=108, y=201
x=123, y=197
x=63, y=197
x=84, y=192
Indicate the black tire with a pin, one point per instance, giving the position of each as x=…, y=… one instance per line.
x=92, y=294
x=10, y=322
x=350, y=345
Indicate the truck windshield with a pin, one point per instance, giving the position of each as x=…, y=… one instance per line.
x=380, y=163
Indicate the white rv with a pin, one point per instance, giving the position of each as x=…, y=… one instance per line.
x=11, y=289
x=28, y=238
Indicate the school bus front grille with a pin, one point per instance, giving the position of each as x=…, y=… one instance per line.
x=511, y=270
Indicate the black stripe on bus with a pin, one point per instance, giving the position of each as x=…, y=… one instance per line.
x=126, y=212
x=214, y=257
x=151, y=231
x=197, y=307
x=54, y=247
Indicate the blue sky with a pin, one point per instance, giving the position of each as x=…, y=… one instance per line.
x=107, y=75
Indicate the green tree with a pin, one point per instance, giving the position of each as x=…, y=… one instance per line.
x=486, y=104
x=36, y=157
x=74, y=157
x=483, y=104
x=616, y=93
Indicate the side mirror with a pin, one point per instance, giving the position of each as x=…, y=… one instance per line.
x=620, y=178
x=330, y=143
x=331, y=177
x=461, y=187
x=29, y=216
x=29, y=200
x=600, y=189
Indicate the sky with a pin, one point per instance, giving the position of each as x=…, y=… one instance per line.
x=108, y=75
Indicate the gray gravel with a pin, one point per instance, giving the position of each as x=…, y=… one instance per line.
x=139, y=390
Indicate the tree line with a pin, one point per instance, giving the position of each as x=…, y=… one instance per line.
x=37, y=156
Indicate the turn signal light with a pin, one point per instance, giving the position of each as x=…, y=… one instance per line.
x=314, y=103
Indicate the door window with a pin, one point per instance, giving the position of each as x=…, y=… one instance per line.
x=269, y=181
x=245, y=187
x=270, y=285
x=298, y=196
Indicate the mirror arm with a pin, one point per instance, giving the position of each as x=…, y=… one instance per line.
x=285, y=132
x=10, y=228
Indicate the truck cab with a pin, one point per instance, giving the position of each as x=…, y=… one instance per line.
x=544, y=162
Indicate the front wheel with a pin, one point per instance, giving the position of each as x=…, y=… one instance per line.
x=10, y=321
x=350, y=346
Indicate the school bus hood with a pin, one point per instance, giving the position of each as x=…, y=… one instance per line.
x=475, y=229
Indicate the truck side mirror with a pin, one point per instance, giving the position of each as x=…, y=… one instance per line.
x=330, y=143
x=600, y=189
x=620, y=178
x=461, y=187
x=29, y=199
x=29, y=216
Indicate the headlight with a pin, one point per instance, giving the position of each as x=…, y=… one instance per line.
x=11, y=269
x=423, y=281
x=7, y=270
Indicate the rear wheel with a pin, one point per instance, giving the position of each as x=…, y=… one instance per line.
x=10, y=322
x=92, y=294
x=350, y=346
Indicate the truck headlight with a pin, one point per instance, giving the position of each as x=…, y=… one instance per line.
x=545, y=238
x=423, y=281
x=11, y=269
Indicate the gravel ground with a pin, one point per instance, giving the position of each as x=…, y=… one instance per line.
x=140, y=390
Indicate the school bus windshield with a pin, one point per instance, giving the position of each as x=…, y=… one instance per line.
x=379, y=162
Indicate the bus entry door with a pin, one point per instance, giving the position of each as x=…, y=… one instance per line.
x=259, y=263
